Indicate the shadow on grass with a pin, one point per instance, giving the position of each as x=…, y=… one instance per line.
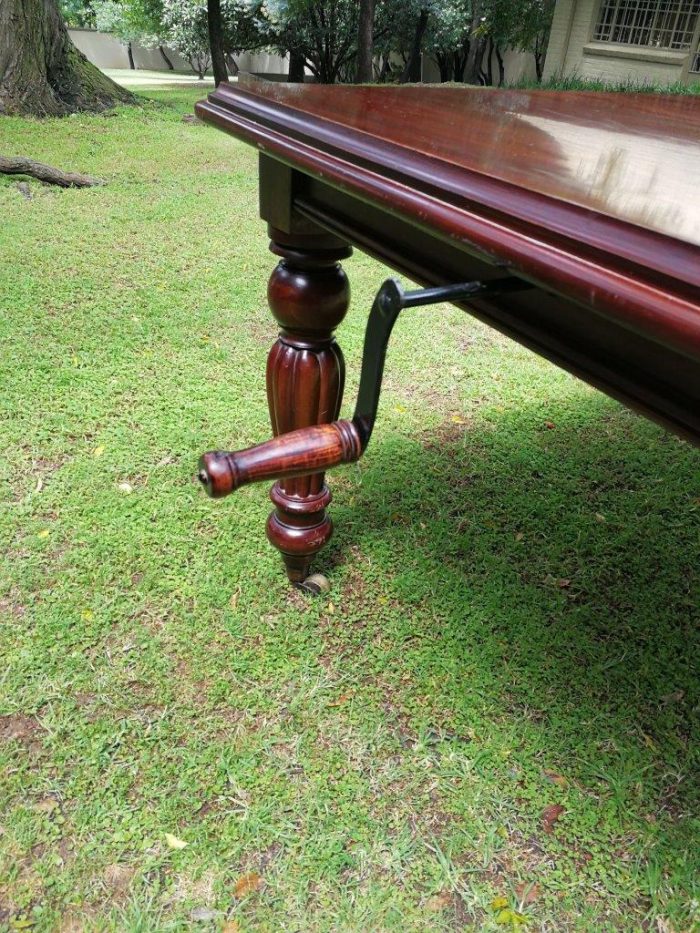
x=562, y=558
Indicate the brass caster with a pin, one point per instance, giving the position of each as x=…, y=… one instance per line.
x=316, y=584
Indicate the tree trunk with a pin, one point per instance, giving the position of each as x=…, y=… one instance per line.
x=540, y=46
x=130, y=53
x=412, y=71
x=365, y=42
x=474, y=74
x=488, y=74
x=443, y=63
x=167, y=61
x=296, y=67
x=501, y=66
x=41, y=71
x=460, y=61
x=216, y=41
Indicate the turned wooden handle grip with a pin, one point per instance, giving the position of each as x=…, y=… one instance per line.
x=298, y=453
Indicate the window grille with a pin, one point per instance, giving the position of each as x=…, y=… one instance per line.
x=659, y=24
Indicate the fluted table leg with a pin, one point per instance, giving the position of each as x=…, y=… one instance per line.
x=309, y=296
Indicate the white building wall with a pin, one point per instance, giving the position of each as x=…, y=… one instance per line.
x=263, y=63
x=559, y=38
x=152, y=60
x=101, y=49
x=106, y=51
x=519, y=66
x=603, y=66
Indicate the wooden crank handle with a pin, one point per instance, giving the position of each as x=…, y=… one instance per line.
x=298, y=453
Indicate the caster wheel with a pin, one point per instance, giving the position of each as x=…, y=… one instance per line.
x=316, y=584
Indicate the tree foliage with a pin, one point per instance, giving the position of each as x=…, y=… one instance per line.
x=78, y=13
x=116, y=18
x=188, y=32
x=467, y=38
x=147, y=17
x=530, y=32
x=246, y=29
x=322, y=32
x=450, y=36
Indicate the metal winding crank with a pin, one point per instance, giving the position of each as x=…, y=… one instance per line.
x=320, y=447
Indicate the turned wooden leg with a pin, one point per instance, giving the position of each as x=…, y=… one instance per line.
x=309, y=295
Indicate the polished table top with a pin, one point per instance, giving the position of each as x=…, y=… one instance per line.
x=566, y=188
x=633, y=157
x=592, y=198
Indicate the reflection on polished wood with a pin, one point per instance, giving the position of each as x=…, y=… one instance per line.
x=629, y=156
x=593, y=199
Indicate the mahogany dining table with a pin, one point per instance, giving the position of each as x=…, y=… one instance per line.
x=569, y=221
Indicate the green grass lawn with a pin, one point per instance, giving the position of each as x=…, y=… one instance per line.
x=512, y=625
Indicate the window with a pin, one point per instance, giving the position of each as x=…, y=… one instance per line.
x=658, y=24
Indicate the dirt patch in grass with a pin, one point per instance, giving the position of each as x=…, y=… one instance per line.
x=89, y=705
x=17, y=726
x=354, y=583
x=199, y=891
x=462, y=917
x=117, y=879
x=72, y=923
x=260, y=329
x=447, y=435
x=11, y=605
